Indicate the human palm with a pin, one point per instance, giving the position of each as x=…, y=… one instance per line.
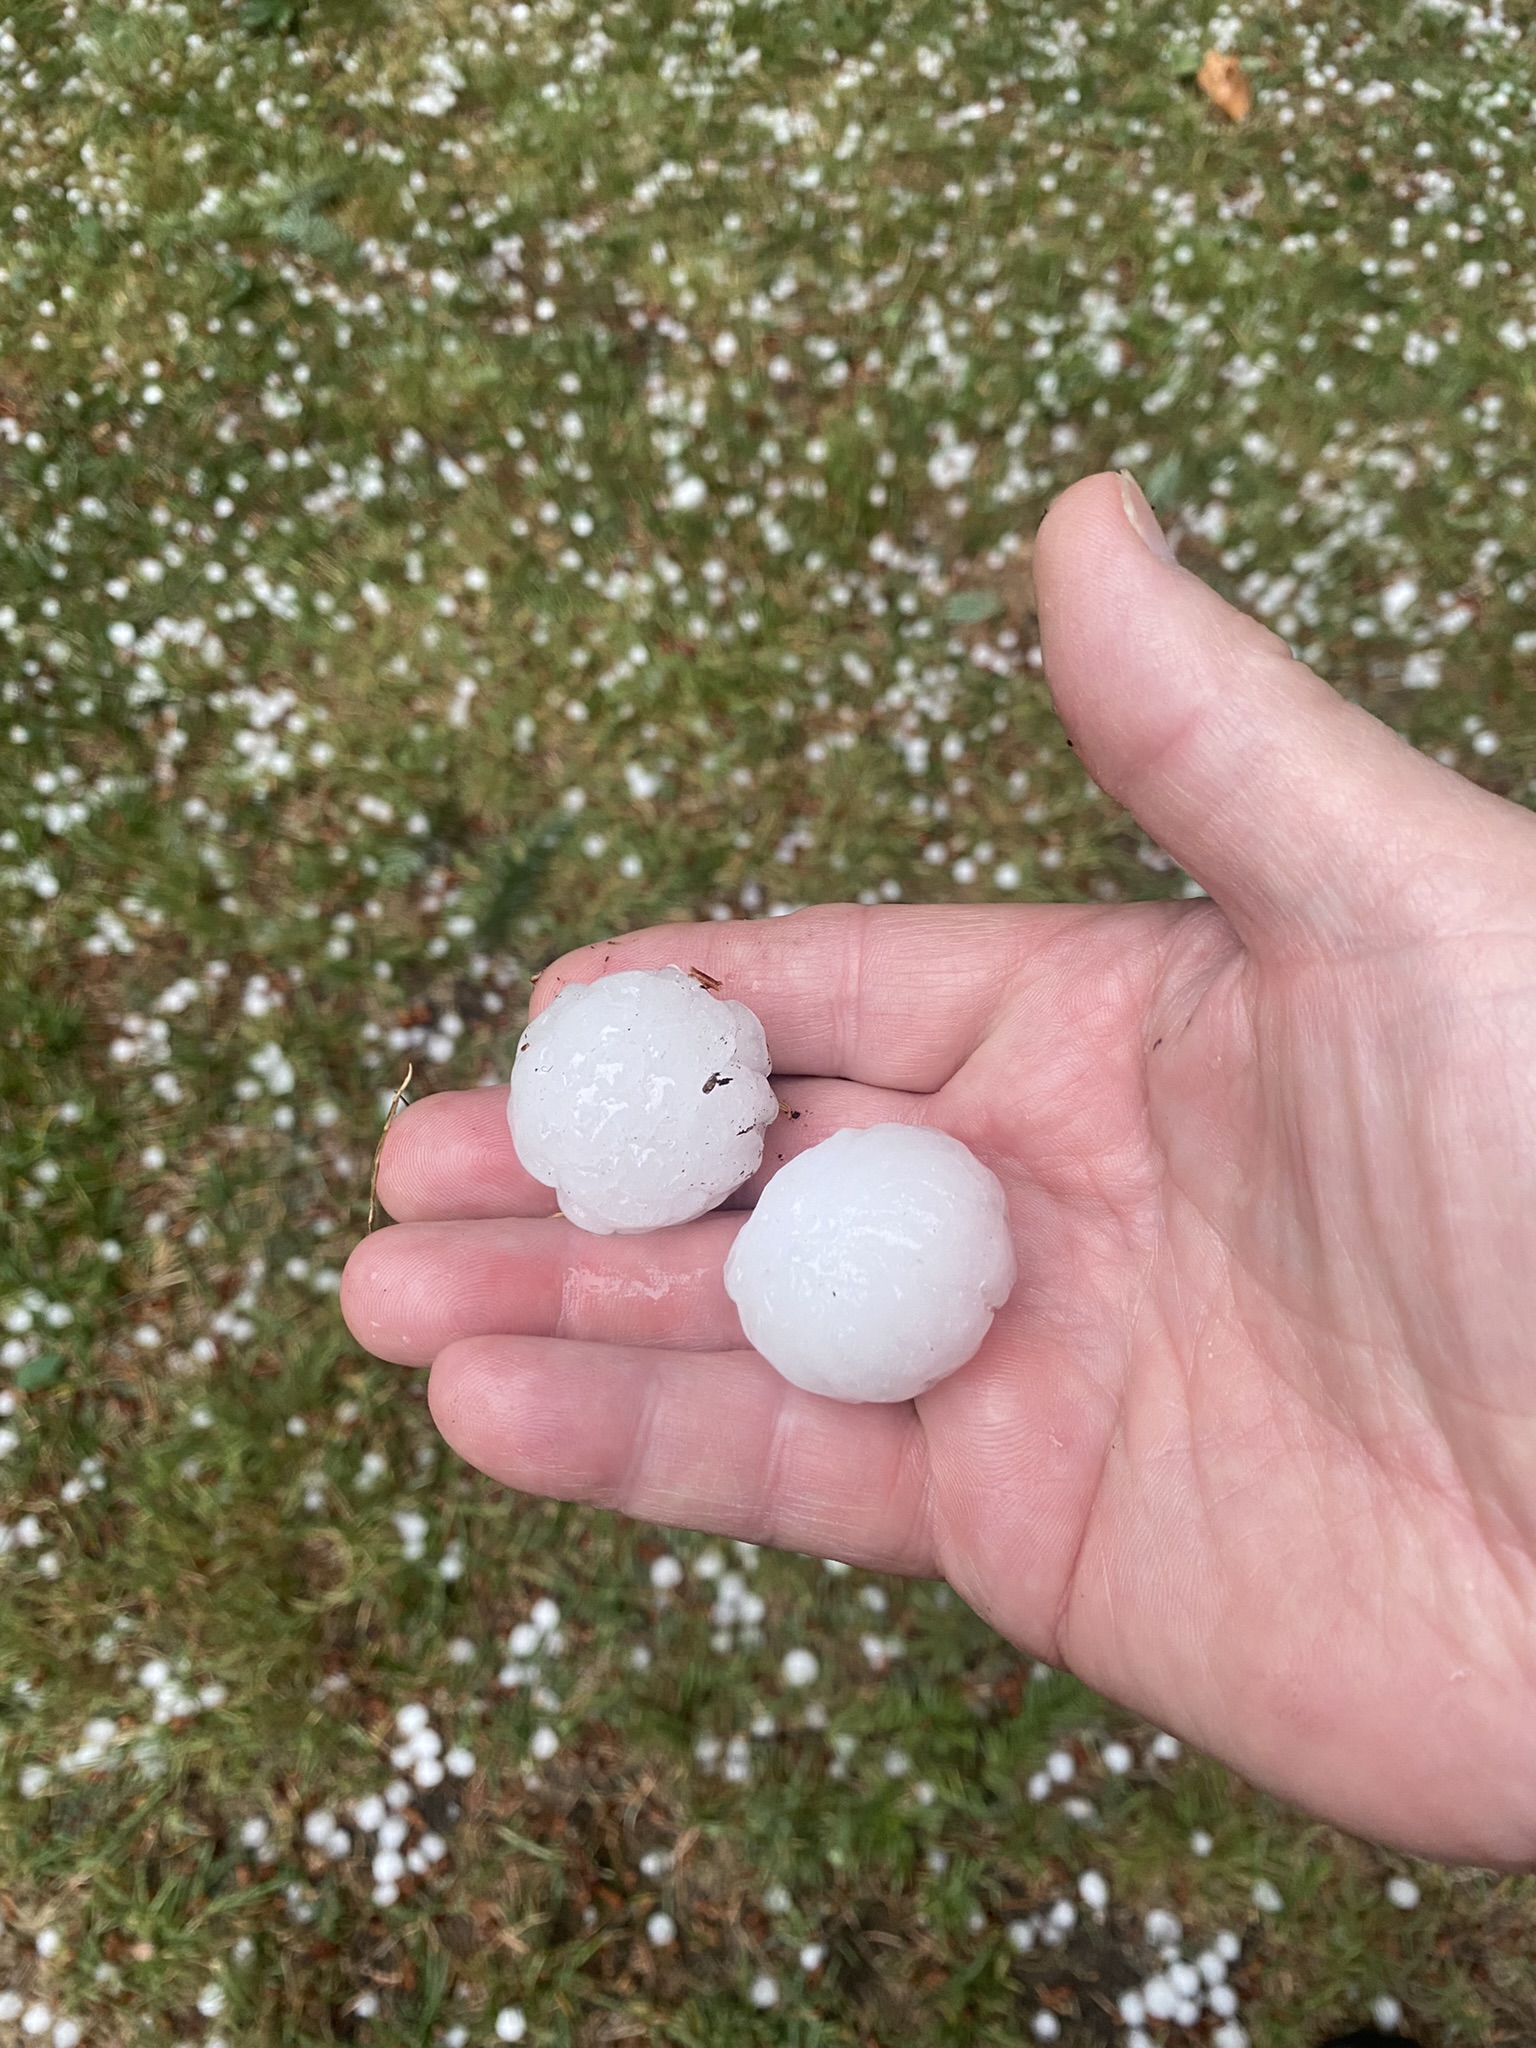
x=1252, y=1447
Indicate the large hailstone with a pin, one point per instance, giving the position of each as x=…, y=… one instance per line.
x=641, y=1099
x=872, y=1264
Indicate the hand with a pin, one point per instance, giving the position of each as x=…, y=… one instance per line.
x=1253, y=1446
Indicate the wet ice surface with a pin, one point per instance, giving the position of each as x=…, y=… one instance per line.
x=872, y=1264
x=641, y=1099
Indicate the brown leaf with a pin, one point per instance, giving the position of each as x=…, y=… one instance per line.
x=459, y=1934
x=1222, y=80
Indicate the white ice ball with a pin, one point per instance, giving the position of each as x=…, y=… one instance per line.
x=872, y=1264
x=641, y=1099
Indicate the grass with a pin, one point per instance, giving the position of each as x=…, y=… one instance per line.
x=479, y=477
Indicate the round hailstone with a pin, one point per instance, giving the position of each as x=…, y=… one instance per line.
x=872, y=1264
x=641, y=1099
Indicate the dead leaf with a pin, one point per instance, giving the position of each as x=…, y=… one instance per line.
x=459, y=1934
x=1221, y=78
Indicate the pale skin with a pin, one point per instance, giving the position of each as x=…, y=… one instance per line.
x=1252, y=1447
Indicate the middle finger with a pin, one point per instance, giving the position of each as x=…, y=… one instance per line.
x=413, y=1288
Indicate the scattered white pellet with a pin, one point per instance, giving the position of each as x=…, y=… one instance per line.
x=800, y=1667
x=1160, y=1998
x=1162, y=1929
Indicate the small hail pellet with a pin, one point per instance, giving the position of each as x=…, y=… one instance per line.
x=641, y=1099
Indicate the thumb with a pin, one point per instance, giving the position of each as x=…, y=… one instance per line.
x=1308, y=820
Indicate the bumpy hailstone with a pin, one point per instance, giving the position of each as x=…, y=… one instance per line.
x=641, y=1099
x=872, y=1264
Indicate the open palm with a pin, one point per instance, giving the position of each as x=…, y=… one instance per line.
x=1253, y=1445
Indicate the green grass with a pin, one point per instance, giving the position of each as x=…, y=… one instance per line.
x=351, y=356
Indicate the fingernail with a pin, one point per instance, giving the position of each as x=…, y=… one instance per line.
x=1143, y=519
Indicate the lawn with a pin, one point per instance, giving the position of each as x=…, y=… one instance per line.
x=478, y=477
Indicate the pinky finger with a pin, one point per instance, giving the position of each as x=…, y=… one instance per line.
x=702, y=1440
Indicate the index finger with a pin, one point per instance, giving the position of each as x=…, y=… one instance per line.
x=887, y=1003
x=450, y=1157
x=892, y=995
